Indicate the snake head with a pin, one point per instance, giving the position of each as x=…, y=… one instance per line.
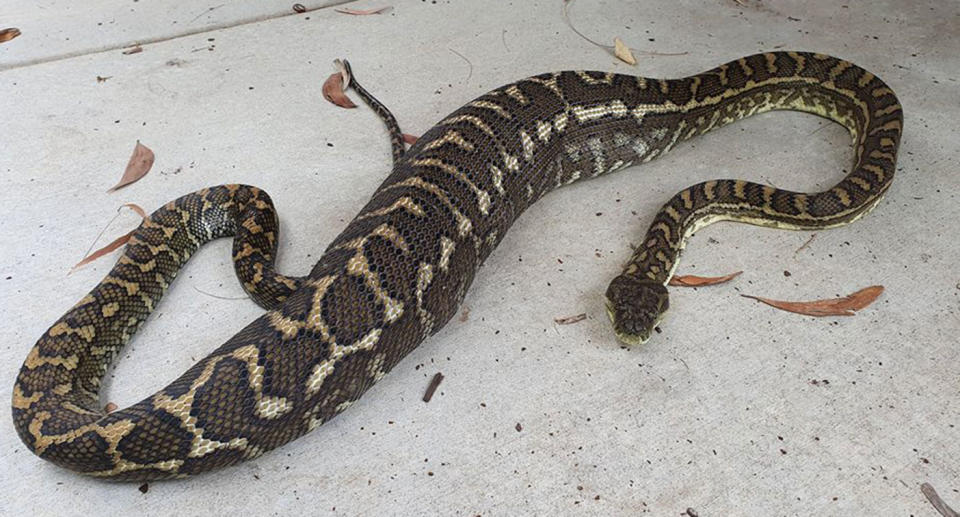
x=635, y=307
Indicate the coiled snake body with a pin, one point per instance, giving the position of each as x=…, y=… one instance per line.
x=400, y=269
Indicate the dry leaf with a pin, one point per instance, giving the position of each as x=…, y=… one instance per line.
x=410, y=139
x=134, y=50
x=569, y=320
x=622, y=51
x=699, y=281
x=8, y=34
x=139, y=165
x=110, y=407
x=119, y=241
x=831, y=307
x=333, y=87
x=299, y=8
x=362, y=12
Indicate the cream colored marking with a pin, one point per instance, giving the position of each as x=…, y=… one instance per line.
x=685, y=197
x=560, y=122
x=497, y=176
x=463, y=223
x=887, y=142
x=606, y=79
x=739, y=191
x=543, y=131
x=131, y=287
x=35, y=360
x=424, y=278
x=516, y=94
x=511, y=163
x=550, y=83
x=695, y=86
x=860, y=182
x=842, y=195
x=472, y=119
x=771, y=62
x=664, y=229
x=450, y=137
x=672, y=212
x=767, y=192
x=708, y=189
x=405, y=203
x=22, y=402
x=893, y=124
x=876, y=170
x=881, y=92
x=359, y=266
x=498, y=109
x=530, y=191
x=893, y=108
x=527, y=144
x=882, y=155
x=317, y=375
x=272, y=407
x=839, y=69
x=585, y=114
x=109, y=309
x=446, y=250
x=376, y=370
x=865, y=79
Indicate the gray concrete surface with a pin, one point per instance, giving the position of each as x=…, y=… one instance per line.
x=734, y=409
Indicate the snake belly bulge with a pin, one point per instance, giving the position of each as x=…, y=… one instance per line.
x=401, y=268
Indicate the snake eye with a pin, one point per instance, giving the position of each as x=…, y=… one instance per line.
x=635, y=306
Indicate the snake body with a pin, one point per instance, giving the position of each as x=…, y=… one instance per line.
x=400, y=269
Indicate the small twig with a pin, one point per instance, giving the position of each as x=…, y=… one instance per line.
x=219, y=297
x=937, y=503
x=470, y=74
x=503, y=38
x=209, y=9
x=805, y=244
x=569, y=320
x=432, y=387
x=609, y=48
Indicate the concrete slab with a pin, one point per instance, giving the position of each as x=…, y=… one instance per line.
x=725, y=412
x=57, y=29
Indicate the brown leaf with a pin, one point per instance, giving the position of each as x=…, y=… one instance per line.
x=133, y=50
x=139, y=165
x=699, y=281
x=362, y=12
x=622, y=51
x=333, y=87
x=119, y=241
x=831, y=307
x=569, y=320
x=8, y=34
x=410, y=139
x=110, y=407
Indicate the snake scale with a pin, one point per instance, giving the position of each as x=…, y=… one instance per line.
x=400, y=269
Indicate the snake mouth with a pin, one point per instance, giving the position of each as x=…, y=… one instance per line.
x=627, y=337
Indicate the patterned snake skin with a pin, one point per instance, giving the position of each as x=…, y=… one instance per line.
x=400, y=269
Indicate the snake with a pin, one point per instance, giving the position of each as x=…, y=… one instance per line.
x=401, y=268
